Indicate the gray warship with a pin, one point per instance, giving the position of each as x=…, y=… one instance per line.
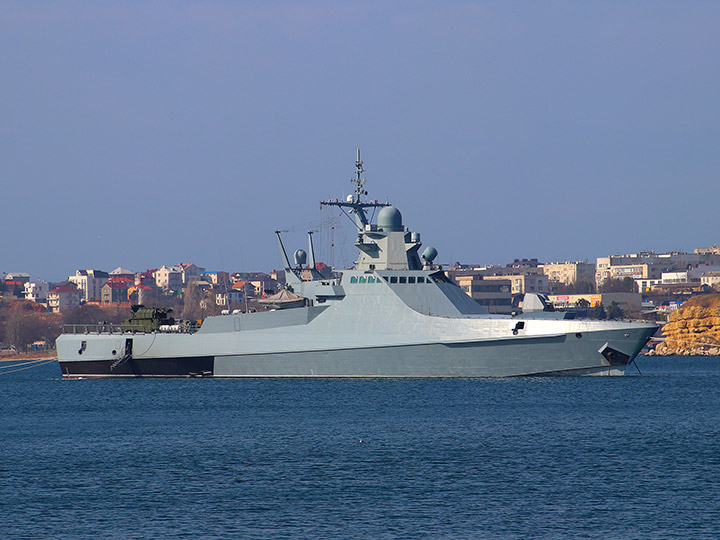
x=394, y=314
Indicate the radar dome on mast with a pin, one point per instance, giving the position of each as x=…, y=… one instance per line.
x=429, y=254
x=300, y=257
x=390, y=219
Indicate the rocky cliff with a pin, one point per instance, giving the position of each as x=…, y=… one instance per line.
x=694, y=329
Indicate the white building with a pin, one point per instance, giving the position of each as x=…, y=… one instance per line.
x=650, y=265
x=121, y=272
x=37, y=291
x=711, y=279
x=190, y=272
x=217, y=278
x=90, y=283
x=64, y=297
x=169, y=278
x=231, y=297
x=643, y=285
x=569, y=273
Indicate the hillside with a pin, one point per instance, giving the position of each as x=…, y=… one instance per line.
x=694, y=329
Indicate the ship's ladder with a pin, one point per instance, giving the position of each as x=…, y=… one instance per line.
x=127, y=355
x=120, y=361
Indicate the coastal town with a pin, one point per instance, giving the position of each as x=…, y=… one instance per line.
x=645, y=285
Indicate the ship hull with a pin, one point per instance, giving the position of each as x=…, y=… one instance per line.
x=602, y=352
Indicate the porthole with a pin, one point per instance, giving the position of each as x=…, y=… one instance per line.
x=80, y=351
x=113, y=352
x=578, y=335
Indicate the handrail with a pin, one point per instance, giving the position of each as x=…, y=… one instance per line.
x=111, y=328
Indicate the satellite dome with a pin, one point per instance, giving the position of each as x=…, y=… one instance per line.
x=300, y=257
x=390, y=219
x=429, y=254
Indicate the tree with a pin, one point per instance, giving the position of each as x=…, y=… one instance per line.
x=23, y=326
x=614, y=311
x=192, y=309
x=85, y=314
x=618, y=285
x=582, y=303
x=599, y=312
x=579, y=287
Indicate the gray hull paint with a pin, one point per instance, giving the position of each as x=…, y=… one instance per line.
x=557, y=355
x=234, y=356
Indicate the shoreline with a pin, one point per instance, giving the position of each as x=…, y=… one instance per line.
x=36, y=355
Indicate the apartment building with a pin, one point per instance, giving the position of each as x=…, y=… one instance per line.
x=492, y=294
x=229, y=297
x=569, y=273
x=524, y=283
x=37, y=291
x=650, y=265
x=190, y=272
x=65, y=296
x=169, y=278
x=216, y=278
x=90, y=283
x=115, y=291
x=711, y=279
x=121, y=272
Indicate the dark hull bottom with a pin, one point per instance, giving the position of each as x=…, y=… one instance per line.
x=204, y=367
x=191, y=366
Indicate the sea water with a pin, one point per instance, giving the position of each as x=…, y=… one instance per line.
x=606, y=457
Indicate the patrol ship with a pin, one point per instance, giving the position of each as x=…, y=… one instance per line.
x=395, y=314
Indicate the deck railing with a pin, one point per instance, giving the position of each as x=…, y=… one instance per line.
x=110, y=328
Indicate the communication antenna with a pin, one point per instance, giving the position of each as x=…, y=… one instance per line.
x=354, y=203
x=359, y=181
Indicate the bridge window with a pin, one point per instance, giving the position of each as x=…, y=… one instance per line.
x=353, y=279
x=393, y=279
x=421, y=279
x=403, y=279
x=371, y=279
x=411, y=279
x=363, y=279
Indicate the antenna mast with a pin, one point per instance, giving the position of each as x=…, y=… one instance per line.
x=359, y=181
x=354, y=202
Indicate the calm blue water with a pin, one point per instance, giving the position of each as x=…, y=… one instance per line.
x=633, y=457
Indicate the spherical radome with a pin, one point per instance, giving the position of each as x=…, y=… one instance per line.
x=390, y=219
x=429, y=254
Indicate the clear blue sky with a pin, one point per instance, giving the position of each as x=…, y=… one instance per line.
x=139, y=134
